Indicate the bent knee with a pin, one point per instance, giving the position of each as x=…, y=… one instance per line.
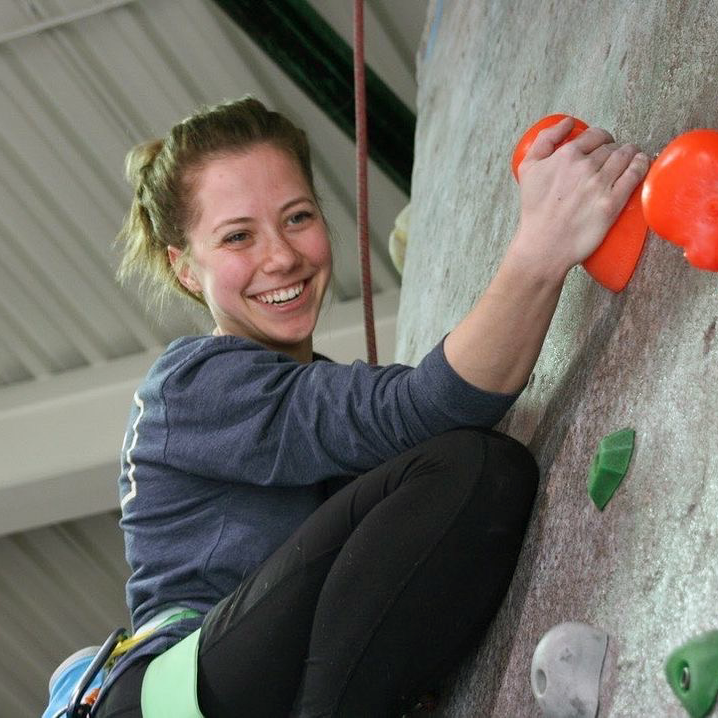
x=474, y=440
x=477, y=446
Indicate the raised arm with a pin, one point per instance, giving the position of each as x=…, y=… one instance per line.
x=570, y=198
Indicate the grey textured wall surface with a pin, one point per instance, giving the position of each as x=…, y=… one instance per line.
x=646, y=568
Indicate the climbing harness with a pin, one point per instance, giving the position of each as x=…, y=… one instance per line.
x=169, y=686
x=84, y=691
x=162, y=619
x=362, y=191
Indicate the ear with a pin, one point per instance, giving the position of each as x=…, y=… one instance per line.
x=183, y=270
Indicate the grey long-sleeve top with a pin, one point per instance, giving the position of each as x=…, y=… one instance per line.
x=229, y=447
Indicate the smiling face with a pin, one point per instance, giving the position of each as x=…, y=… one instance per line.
x=259, y=250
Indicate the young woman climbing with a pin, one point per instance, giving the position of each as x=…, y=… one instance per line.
x=316, y=539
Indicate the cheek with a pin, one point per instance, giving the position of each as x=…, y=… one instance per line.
x=322, y=253
x=230, y=277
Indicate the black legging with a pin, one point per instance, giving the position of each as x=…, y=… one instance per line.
x=376, y=596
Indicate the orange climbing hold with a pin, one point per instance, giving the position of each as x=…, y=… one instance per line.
x=680, y=196
x=613, y=263
x=528, y=139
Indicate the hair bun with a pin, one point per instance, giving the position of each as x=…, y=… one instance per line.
x=139, y=160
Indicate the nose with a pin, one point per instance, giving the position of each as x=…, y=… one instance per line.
x=280, y=255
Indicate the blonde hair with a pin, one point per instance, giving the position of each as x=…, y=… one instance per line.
x=163, y=173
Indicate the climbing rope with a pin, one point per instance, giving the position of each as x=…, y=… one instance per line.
x=362, y=194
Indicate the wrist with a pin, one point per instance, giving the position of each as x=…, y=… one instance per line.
x=529, y=257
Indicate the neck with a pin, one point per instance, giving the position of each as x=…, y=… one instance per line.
x=303, y=352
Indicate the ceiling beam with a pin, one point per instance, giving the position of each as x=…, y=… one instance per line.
x=60, y=20
x=317, y=59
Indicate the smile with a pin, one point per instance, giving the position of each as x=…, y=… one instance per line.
x=280, y=296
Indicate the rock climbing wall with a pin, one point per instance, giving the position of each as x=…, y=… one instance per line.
x=645, y=570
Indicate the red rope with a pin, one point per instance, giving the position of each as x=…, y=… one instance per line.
x=362, y=193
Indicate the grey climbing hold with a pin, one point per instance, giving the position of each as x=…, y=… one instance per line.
x=566, y=670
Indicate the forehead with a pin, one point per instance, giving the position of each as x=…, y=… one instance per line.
x=254, y=172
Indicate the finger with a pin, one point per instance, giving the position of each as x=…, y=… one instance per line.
x=629, y=179
x=617, y=161
x=592, y=138
x=546, y=140
x=602, y=154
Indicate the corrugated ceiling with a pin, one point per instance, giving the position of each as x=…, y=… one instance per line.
x=80, y=83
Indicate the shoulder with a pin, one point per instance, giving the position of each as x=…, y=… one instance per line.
x=209, y=363
x=192, y=351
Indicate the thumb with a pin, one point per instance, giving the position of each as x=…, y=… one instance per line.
x=546, y=142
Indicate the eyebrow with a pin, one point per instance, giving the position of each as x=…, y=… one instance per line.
x=283, y=208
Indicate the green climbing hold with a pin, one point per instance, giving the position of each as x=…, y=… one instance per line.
x=692, y=673
x=610, y=465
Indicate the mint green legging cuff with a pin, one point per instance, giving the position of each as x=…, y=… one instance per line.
x=169, y=686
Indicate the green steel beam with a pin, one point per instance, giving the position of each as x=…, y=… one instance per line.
x=318, y=60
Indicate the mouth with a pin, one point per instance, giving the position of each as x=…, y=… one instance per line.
x=280, y=297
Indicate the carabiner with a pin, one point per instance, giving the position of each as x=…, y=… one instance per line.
x=76, y=708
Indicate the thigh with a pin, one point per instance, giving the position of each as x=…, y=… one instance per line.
x=254, y=643
x=430, y=565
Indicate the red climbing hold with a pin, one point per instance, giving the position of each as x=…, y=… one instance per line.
x=680, y=196
x=613, y=263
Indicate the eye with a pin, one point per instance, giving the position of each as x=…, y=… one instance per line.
x=299, y=217
x=236, y=238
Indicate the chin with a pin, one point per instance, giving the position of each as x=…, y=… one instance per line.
x=292, y=338
x=283, y=338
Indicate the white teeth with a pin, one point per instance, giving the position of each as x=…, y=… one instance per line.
x=281, y=295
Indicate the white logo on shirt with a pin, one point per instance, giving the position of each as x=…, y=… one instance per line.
x=128, y=456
